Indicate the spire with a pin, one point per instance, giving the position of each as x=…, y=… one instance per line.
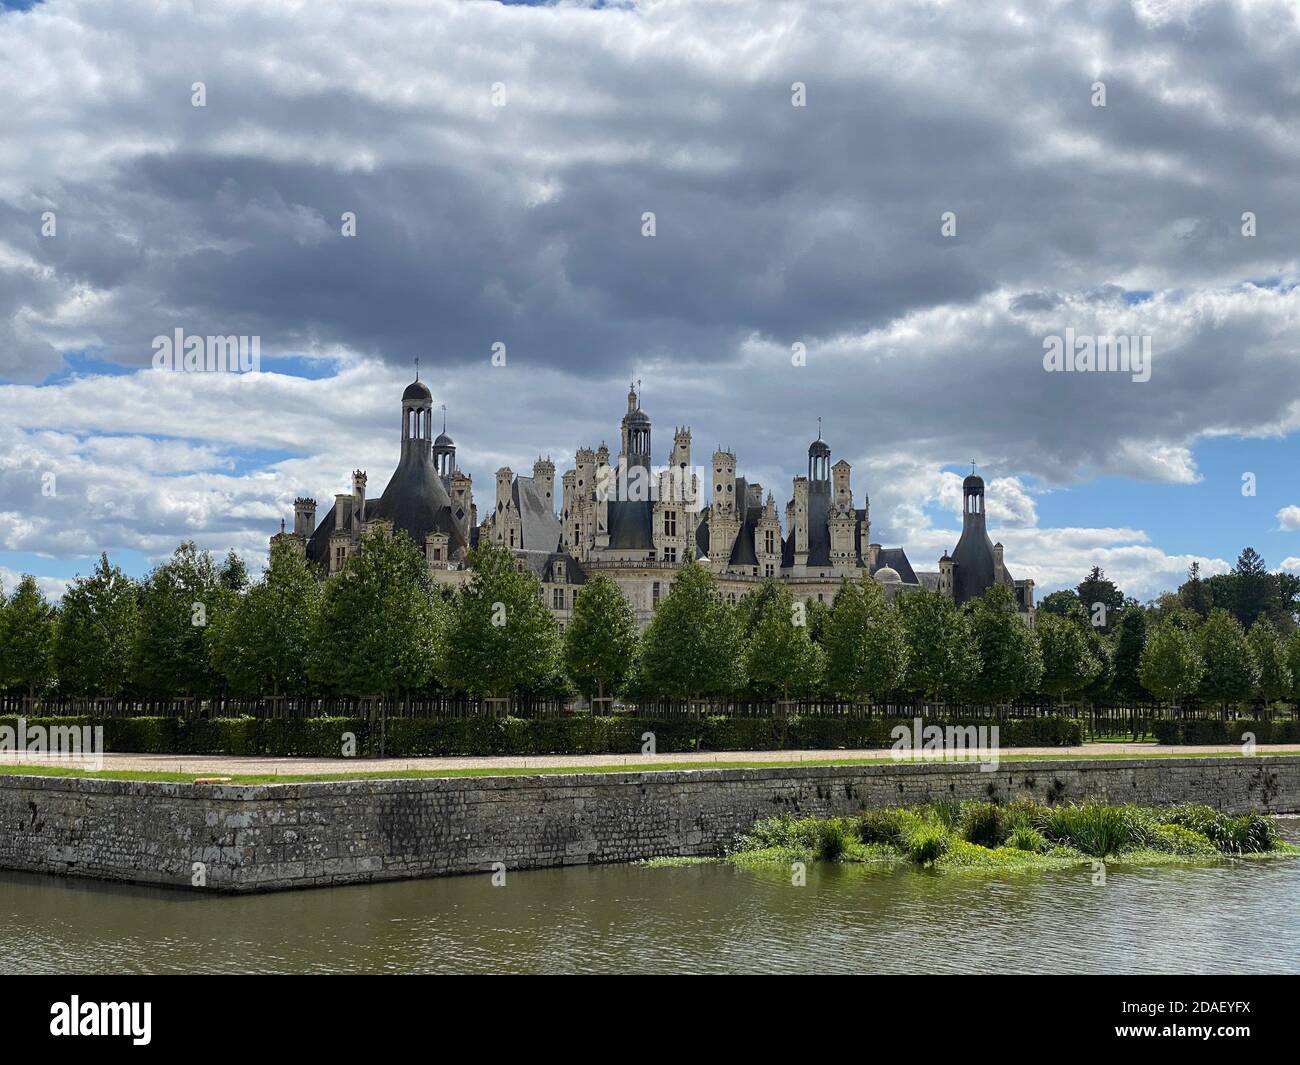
x=417, y=367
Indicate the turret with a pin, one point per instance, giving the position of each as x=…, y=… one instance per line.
x=544, y=475
x=304, y=516
x=505, y=478
x=972, y=491
x=417, y=419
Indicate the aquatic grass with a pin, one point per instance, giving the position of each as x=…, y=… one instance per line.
x=1096, y=829
x=1021, y=834
x=984, y=823
x=1250, y=833
x=881, y=826
x=1026, y=838
x=1176, y=839
x=832, y=839
x=927, y=843
x=670, y=862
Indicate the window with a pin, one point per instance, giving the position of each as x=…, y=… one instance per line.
x=769, y=541
x=340, y=553
x=437, y=554
x=670, y=523
x=512, y=538
x=654, y=594
x=771, y=570
x=670, y=554
x=557, y=598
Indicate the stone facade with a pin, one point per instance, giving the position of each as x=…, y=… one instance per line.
x=272, y=837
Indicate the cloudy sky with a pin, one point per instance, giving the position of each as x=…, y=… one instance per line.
x=500, y=161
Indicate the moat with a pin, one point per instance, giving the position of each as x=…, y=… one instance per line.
x=1230, y=916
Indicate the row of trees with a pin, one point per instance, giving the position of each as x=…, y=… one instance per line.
x=194, y=627
x=1248, y=593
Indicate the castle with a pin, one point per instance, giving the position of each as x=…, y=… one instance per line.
x=637, y=523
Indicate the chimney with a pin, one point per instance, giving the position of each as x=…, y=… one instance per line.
x=359, y=495
x=342, y=508
x=304, y=516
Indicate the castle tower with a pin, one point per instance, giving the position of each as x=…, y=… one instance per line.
x=819, y=464
x=417, y=419
x=636, y=434
x=973, y=559
x=444, y=452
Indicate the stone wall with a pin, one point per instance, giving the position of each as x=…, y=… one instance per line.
x=270, y=837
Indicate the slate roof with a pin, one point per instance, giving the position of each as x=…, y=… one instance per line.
x=631, y=524
x=415, y=501
x=541, y=526
x=896, y=559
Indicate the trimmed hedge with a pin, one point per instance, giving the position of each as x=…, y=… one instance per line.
x=410, y=737
x=1225, y=732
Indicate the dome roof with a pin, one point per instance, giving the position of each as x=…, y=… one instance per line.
x=887, y=575
x=444, y=440
x=973, y=481
x=819, y=448
x=417, y=390
x=638, y=417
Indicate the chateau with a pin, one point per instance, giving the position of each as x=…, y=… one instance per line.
x=638, y=523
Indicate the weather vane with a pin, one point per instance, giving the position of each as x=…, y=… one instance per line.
x=444, y=417
x=417, y=368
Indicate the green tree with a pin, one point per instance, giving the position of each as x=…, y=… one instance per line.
x=1101, y=600
x=98, y=623
x=1256, y=590
x=1010, y=660
x=1195, y=593
x=1069, y=665
x=1270, y=652
x=693, y=647
x=1231, y=671
x=233, y=574
x=780, y=657
x=943, y=661
x=178, y=601
x=1171, y=665
x=1102, y=647
x=1063, y=603
x=379, y=629
x=817, y=614
x=27, y=639
x=1293, y=661
x=600, y=643
x=262, y=646
x=503, y=639
x=752, y=607
x=1130, y=640
x=866, y=650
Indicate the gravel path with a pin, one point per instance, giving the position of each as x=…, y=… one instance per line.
x=231, y=765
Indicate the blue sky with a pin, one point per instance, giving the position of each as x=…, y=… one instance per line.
x=799, y=162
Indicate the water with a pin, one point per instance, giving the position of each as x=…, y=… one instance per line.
x=1228, y=918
